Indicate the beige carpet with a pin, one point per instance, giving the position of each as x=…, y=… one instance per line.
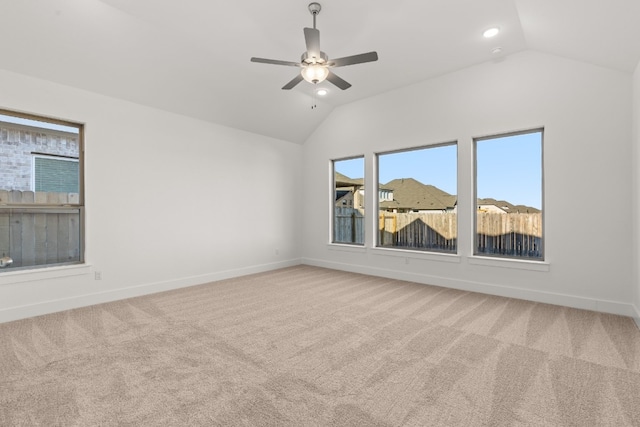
x=306, y=346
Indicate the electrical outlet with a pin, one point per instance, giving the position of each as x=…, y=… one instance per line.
x=277, y=251
x=98, y=275
x=406, y=260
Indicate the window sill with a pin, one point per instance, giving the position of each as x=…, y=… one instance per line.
x=345, y=247
x=518, y=264
x=422, y=255
x=44, y=273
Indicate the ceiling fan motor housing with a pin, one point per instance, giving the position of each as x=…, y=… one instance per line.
x=310, y=60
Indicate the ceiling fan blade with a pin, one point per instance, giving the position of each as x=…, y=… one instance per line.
x=355, y=59
x=312, y=39
x=342, y=84
x=297, y=79
x=275, y=61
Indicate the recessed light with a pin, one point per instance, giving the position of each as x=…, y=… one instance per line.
x=491, y=32
x=322, y=92
x=496, y=50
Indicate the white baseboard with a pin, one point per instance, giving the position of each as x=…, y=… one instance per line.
x=52, y=306
x=636, y=315
x=573, y=301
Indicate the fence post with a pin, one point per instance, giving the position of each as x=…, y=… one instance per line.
x=395, y=230
x=353, y=227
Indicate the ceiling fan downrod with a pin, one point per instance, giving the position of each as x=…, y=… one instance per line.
x=315, y=9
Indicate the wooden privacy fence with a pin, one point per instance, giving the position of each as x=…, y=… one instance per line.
x=348, y=225
x=434, y=231
x=516, y=234
x=39, y=235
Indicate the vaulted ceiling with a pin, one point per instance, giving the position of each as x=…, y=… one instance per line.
x=192, y=56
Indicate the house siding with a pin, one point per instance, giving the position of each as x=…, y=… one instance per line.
x=18, y=143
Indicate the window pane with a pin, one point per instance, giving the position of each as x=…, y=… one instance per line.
x=37, y=237
x=40, y=192
x=56, y=175
x=348, y=212
x=417, y=199
x=509, y=196
x=39, y=156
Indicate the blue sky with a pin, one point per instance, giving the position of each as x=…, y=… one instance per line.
x=508, y=168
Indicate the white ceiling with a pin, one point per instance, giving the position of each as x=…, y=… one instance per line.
x=192, y=57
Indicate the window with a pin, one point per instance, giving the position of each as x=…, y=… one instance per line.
x=348, y=201
x=56, y=174
x=417, y=200
x=509, y=195
x=41, y=192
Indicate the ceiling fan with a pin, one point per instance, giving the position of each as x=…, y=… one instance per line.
x=315, y=64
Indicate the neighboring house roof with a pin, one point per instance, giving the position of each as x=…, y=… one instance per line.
x=409, y=193
x=343, y=180
x=507, y=207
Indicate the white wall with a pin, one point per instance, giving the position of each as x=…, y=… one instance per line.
x=170, y=201
x=173, y=201
x=586, y=113
x=636, y=191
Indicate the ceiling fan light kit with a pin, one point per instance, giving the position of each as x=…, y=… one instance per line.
x=315, y=64
x=315, y=73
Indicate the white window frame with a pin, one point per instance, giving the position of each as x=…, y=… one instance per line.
x=404, y=249
x=478, y=258
x=332, y=222
x=73, y=205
